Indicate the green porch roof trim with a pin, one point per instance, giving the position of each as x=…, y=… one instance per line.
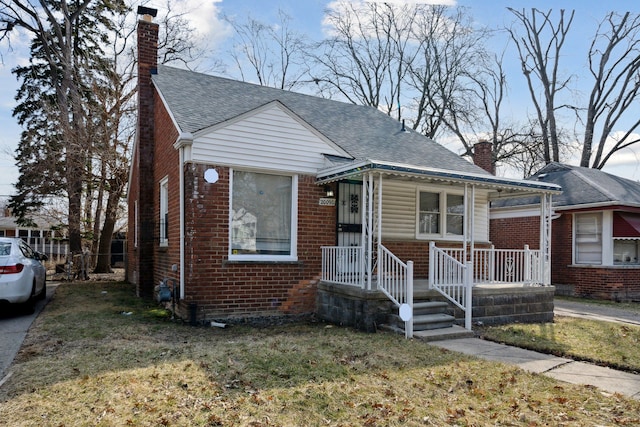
x=340, y=172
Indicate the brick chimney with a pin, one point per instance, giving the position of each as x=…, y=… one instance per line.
x=145, y=185
x=483, y=157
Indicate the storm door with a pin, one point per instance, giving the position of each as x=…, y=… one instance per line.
x=349, y=213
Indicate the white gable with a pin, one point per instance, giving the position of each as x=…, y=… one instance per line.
x=270, y=137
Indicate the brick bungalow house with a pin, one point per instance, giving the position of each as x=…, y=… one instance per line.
x=596, y=231
x=256, y=202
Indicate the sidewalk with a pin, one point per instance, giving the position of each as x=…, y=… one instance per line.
x=562, y=369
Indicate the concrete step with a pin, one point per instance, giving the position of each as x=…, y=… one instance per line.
x=451, y=333
x=432, y=321
x=429, y=307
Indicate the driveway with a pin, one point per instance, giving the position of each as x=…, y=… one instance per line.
x=609, y=313
x=13, y=329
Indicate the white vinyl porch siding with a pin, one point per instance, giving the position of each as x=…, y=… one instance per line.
x=399, y=210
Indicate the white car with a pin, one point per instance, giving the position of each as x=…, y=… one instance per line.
x=23, y=277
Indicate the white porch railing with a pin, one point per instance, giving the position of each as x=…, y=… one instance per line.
x=494, y=266
x=343, y=265
x=452, y=279
x=395, y=280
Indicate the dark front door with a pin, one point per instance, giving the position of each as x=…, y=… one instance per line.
x=349, y=214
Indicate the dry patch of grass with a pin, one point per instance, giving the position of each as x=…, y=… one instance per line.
x=86, y=363
x=605, y=343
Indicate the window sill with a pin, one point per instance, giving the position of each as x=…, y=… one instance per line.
x=257, y=261
x=609, y=267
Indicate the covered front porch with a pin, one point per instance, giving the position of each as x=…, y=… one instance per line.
x=388, y=275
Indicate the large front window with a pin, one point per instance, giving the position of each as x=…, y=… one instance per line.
x=440, y=214
x=263, y=216
x=588, y=238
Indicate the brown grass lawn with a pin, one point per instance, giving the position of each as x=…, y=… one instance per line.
x=88, y=362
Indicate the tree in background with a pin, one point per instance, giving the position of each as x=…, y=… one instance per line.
x=271, y=55
x=94, y=138
x=539, y=41
x=614, y=65
x=66, y=50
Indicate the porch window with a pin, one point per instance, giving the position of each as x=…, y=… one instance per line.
x=438, y=212
x=164, y=212
x=263, y=216
x=588, y=238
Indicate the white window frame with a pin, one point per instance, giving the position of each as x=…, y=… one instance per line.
x=135, y=223
x=442, y=235
x=164, y=212
x=293, y=255
x=597, y=237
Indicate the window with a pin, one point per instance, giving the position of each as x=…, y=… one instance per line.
x=263, y=216
x=625, y=252
x=588, y=238
x=440, y=211
x=135, y=224
x=164, y=212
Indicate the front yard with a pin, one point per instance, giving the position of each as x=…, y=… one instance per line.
x=99, y=356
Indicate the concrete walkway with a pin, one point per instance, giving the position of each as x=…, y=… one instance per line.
x=562, y=369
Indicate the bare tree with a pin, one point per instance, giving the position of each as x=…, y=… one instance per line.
x=271, y=54
x=539, y=47
x=444, y=75
x=365, y=60
x=614, y=64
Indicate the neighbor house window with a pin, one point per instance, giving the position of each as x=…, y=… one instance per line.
x=626, y=238
x=263, y=216
x=440, y=214
x=588, y=238
x=164, y=212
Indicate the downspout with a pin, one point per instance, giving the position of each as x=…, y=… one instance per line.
x=183, y=145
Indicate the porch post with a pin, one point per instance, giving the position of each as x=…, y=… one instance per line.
x=379, y=222
x=545, y=237
x=367, y=226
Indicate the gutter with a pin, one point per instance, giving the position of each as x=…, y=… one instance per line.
x=357, y=168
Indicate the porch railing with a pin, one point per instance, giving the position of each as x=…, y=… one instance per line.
x=395, y=280
x=452, y=279
x=343, y=265
x=495, y=266
x=507, y=266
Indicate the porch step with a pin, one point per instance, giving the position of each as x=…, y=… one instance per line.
x=425, y=322
x=429, y=307
x=427, y=315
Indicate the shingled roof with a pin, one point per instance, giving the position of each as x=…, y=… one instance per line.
x=581, y=187
x=198, y=101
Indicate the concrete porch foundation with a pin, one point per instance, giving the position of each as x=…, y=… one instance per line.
x=492, y=305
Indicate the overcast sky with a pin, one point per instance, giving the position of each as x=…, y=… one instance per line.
x=307, y=16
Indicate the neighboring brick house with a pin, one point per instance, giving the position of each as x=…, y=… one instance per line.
x=596, y=231
x=238, y=191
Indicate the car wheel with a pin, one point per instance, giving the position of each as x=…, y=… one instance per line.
x=43, y=293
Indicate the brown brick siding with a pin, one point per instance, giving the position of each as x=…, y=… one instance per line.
x=515, y=233
x=244, y=288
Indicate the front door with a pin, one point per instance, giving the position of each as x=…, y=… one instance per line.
x=349, y=213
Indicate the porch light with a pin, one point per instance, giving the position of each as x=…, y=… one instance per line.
x=328, y=190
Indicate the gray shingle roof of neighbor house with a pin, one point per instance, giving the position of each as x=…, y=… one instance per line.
x=581, y=187
x=198, y=101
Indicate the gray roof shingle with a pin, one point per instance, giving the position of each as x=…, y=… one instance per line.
x=581, y=186
x=198, y=101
